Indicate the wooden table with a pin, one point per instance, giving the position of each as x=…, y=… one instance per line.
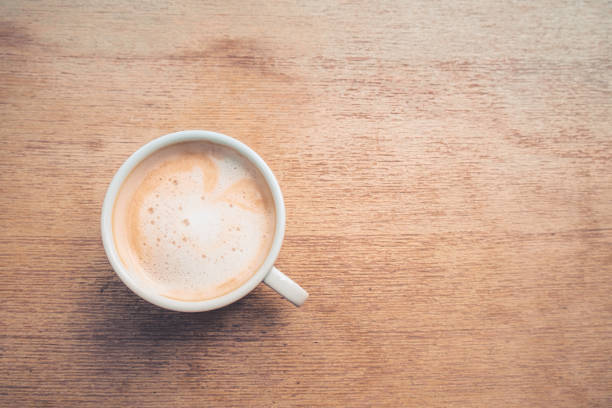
x=447, y=170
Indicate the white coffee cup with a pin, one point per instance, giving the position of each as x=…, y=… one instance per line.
x=266, y=273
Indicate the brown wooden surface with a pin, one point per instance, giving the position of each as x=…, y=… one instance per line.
x=447, y=169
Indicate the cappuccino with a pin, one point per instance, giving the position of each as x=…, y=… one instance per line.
x=194, y=221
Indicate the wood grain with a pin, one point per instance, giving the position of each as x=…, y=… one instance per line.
x=447, y=169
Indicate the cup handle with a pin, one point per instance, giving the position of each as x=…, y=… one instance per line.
x=286, y=287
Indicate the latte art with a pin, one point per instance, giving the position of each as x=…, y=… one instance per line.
x=194, y=221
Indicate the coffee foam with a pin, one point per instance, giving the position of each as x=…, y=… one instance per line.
x=194, y=221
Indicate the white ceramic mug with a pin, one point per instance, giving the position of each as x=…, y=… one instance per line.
x=266, y=273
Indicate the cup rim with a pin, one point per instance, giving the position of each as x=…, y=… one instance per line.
x=136, y=158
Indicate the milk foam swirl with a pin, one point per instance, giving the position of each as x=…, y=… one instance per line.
x=194, y=221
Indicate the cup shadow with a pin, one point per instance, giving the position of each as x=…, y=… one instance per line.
x=124, y=332
x=148, y=321
x=231, y=322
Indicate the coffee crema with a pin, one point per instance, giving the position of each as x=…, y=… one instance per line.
x=194, y=221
